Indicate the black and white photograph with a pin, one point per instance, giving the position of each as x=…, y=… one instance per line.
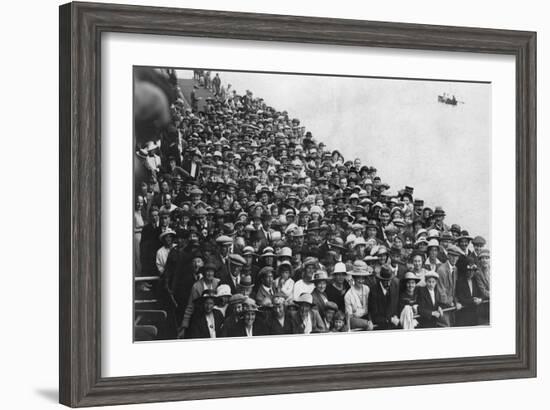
x=272, y=204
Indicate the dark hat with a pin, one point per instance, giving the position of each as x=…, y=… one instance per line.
x=454, y=250
x=479, y=240
x=456, y=228
x=246, y=282
x=464, y=235
x=337, y=243
x=207, y=294
x=264, y=271
x=411, y=276
x=385, y=273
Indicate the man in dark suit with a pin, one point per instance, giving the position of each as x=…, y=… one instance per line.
x=220, y=258
x=467, y=293
x=150, y=243
x=384, y=299
x=233, y=276
x=396, y=263
x=430, y=302
x=193, y=165
x=185, y=194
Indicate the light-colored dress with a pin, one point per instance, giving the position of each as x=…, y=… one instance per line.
x=138, y=227
x=286, y=288
x=356, y=301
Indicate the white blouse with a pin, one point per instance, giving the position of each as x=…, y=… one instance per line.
x=356, y=301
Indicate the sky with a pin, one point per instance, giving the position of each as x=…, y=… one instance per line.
x=398, y=126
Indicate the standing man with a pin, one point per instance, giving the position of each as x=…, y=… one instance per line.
x=216, y=82
x=430, y=302
x=233, y=279
x=479, y=243
x=483, y=280
x=446, y=284
x=193, y=165
x=221, y=258
x=150, y=243
x=195, y=99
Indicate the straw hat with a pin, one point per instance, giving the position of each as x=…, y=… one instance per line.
x=360, y=268
x=320, y=275
x=304, y=298
x=411, y=276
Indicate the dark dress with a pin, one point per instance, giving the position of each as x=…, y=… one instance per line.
x=238, y=330
x=274, y=327
x=334, y=295
x=228, y=324
x=149, y=246
x=199, y=327
x=406, y=300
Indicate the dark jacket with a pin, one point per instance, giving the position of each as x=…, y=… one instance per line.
x=149, y=246
x=319, y=301
x=383, y=307
x=426, y=307
x=199, y=327
x=317, y=323
x=238, y=330
x=187, y=165
x=226, y=279
x=468, y=315
x=274, y=326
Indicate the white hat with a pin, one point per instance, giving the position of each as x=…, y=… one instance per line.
x=433, y=233
x=223, y=290
x=433, y=242
x=304, y=298
x=166, y=233
x=285, y=251
x=359, y=241
x=340, y=267
x=431, y=274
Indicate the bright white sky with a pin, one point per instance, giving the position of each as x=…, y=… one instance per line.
x=398, y=126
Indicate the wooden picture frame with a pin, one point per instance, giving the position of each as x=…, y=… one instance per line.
x=81, y=28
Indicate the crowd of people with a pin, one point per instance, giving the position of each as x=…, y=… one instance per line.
x=246, y=225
